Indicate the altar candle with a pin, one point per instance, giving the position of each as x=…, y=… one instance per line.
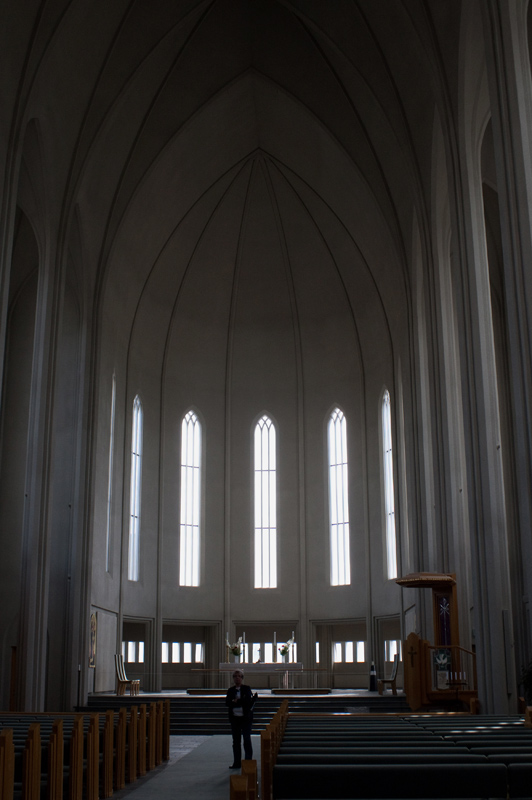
x=244, y=638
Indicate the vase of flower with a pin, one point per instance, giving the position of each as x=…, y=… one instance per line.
x=284, y=652
x=235, y=649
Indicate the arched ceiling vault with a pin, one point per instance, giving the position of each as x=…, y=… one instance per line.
x=339, y=96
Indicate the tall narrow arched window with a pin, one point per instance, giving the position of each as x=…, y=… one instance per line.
x=189, y=545
x=135, y=492
x=110, y=478
x=265, y=505
x=389, y=503
x=338, y=500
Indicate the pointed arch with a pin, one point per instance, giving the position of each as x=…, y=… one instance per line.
x=135, y=491
x=338, y=499
x=388, y=484
x=265, y=503
x=190, y=506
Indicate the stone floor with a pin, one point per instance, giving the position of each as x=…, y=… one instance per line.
x=198, y=768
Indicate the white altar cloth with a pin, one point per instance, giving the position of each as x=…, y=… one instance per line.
x=282, y=668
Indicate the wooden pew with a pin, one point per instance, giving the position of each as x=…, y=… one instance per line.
x=152, y=736
x=249, y=770
x=93, y=757
x=166, y=729
x=75, y=781
x=142, y=740
x=31, y=764
x=238, y=787
x=390, y=780
x=7, y=764
x=55, y=761
x=108, y=753
x=270, y=742
x=132, y=745
x=120, y=750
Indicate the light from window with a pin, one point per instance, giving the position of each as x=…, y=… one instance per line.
x=110, y=477
x=268, y=652
x=348, y=652
x=141, y=653
x=337, y=653
x=265, y=506
x=198, y=654
x=389, y=503
x=189, y=552
x=165, y=647
x=131, y=652
x=391, y=648
x=338, y=500
x=317, y=652
x=187, y=653
x=176, y=653
x=361, y=652
x=135, y=491
x=256, y=652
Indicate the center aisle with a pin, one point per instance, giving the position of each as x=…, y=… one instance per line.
x=202, y=773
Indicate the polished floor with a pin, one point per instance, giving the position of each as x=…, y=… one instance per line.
x=198, y=768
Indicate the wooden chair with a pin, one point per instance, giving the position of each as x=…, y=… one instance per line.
x=392, y=679
x=121, y=680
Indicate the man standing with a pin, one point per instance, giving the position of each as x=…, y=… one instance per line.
x=240, y=701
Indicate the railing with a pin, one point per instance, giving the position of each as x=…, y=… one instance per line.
x=452, y=668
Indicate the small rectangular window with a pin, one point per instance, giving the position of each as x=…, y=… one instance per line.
x=256, y=652
x=317, y=652
x=198, y=655
x=176, y=652
x=141, y=653
x=349, y=652
x=361, y=652
x=337, y=652
x=131, y=652
x=164, y=652
x=391, y=647
x=268, y=652
x=187, y=653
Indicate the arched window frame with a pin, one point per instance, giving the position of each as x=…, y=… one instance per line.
x=135, y=491
x=265, y=504
x=110, y=476
x=388, y=487
x=190, y=503
x=339, y=529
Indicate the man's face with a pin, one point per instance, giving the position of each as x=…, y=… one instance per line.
x=237, y=678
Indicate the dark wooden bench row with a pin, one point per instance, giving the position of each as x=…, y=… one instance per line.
x=270, y=742
x=343, y=782
x=131, y=744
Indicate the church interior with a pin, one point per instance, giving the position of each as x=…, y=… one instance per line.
x=266, y=343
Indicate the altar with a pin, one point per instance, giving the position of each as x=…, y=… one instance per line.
x=284, y=669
